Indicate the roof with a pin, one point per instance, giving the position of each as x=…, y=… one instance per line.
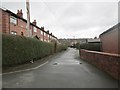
x=111, y=29
x=15, y=15
x=94, y=40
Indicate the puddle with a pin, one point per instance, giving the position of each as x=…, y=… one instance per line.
x=55, y=63
x=80, y=63
x=68, y=63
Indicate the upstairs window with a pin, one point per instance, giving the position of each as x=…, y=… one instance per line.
x=13, y=20
x=41, y=32
x=44, y=34
x=35, y=29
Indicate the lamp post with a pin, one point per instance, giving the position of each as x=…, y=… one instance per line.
x=28, y=18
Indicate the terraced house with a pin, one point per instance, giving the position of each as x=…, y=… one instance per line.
x=12, y=23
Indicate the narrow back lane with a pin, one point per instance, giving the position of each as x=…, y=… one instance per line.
x=65, y=70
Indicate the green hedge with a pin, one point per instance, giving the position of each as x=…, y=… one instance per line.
x=19, y=49
x=91, y=46
x=77, y=45
x=61, y=47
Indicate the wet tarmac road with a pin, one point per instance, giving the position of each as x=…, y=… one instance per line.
x=65, y=70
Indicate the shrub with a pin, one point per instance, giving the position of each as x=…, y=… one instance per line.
x=20, y=49
x=91, y=46
x=58, y=47
x=77, y=45
x=61, y=47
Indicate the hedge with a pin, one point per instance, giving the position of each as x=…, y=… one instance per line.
x=91, y=46
x=77, y=45
x=61, y=47
x=19, y=49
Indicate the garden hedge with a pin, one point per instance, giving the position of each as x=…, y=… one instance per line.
x=19, y=49
x=91, y=46
x=61, y=47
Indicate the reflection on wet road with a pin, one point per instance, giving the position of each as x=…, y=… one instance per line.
x=65, y=70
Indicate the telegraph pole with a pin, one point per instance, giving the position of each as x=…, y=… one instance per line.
x=28, y=18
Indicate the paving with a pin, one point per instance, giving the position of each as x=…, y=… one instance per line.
x=64, y=70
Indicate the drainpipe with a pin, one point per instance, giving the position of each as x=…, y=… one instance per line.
x=9, y=23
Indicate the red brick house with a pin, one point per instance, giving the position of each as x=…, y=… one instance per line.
x=110, y=40
x=15, y=24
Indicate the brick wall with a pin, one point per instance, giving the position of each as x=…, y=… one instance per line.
x=20, y=27
x=104, y=61
x=5, y=22
x=46, y=37
x=0, y=21
x=110, y=41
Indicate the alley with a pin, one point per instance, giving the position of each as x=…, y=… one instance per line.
x=65, y=70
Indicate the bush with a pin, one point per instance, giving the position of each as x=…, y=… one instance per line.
x=91, y=46
x=77, y=45
x=58, y=47
x=61, y=47
x=19, y=49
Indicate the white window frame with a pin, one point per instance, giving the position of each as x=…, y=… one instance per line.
x=34, y=29
x=44, y=34
x=41, y=32
x=13, y=20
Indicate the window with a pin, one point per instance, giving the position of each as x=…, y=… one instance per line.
x=44, y=34
x=35, y=29
x=14, y=33
x=41, y=32
x=13, y=20
x=41, y=39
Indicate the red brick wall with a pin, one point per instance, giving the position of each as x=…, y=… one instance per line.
x=36, y=33
x=46, y=37
x=104, y=61
x=110, y=41
x=0, y=21
x=7, y=27
x=19, y=27
x=5, y=22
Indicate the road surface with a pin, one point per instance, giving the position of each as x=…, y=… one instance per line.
x=65, y=70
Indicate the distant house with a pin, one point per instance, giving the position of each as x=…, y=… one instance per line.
x=71, y=41
x=15, y=24
x=110, y=41
x=95, y=40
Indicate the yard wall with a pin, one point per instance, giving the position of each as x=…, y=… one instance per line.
x=107, y=62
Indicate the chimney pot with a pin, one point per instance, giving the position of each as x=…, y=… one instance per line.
x=34, y=22
x=19, y=13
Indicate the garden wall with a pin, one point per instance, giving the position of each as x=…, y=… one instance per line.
x=105, y=61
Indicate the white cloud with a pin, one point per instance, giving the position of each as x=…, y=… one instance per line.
x=68, y=19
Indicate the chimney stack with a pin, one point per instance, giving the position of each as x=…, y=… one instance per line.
x=19, y=13
x=34, y=22
x=42, y=28
x=48, y=31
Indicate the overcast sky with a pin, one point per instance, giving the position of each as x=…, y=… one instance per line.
x=70, y=19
